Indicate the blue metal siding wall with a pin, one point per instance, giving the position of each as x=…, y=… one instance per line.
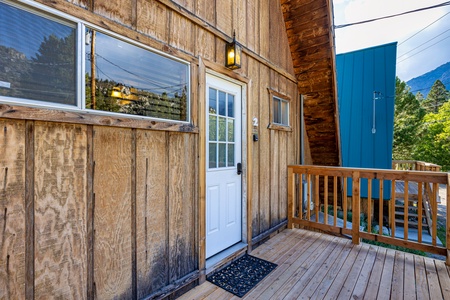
x=359, y=74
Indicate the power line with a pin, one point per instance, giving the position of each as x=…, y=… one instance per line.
x=392, y=16
x=423, y=29
x=424, y=43
x=423, y=49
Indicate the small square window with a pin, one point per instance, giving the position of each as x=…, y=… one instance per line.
x=279, y=111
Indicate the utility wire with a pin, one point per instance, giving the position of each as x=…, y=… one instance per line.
x=423, y=29
x=423, y=43
x=424, y=49
x=392, y=16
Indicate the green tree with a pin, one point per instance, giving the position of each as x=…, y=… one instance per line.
x=437, y=96
x=408, y=115
x=434, y=138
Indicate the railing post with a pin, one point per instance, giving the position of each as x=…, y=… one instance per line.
x=355, y=207
x=291, y=197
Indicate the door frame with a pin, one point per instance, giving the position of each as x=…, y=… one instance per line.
x=210, y=68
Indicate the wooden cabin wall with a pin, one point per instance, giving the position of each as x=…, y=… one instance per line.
x=94, y=208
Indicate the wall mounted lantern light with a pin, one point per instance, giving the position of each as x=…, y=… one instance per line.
x=233, y=54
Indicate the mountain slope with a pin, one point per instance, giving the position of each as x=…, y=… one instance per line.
x=424, y=82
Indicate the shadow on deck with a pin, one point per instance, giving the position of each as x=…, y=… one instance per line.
x=319, y=266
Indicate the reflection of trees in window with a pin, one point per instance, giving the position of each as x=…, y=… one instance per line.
x=13, y=67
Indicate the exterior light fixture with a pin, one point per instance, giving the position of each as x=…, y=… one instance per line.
x=233, y=54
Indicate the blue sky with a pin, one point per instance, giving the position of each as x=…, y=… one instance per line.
x=417, y=54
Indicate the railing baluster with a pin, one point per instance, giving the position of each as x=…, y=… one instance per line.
x=316, y=197
x=419, y=210
x=308, y=197
x=344, y=202
x=325, y=198
x=355, y=207
x=447, y=227
x=405, y=210
x=380, y=208
x=369, y=205
x=291, y=197
x=300, y=196
x=434, y=218
x=335, y=200
x=392, y=210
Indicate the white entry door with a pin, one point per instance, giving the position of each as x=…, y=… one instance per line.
x=223, y=178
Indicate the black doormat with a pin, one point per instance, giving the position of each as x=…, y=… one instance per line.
x=242, y=275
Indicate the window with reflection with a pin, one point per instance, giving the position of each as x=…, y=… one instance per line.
x=37, y=56
x=133, y=80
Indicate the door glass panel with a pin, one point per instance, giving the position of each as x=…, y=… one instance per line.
x=222, y=129
x=213, y=128
x=212, y=101
x=276, y=112
x=284, y=113
x=212, y=155
x=222, y=155
x=231, y=105
x=222, y=103
x=230, y=130
x=230, y=155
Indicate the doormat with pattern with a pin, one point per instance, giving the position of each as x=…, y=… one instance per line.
x=242, y=275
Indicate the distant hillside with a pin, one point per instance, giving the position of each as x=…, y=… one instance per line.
x=424, y=82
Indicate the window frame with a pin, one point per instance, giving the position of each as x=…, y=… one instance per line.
x=278, y=126
x=80, y=80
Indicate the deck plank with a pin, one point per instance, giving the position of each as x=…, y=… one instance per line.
x=363, y=279
x=375, y=276
x=312, y=265
x=397, y=276
x=444, y=278
x=433, y=280
x=421, y=278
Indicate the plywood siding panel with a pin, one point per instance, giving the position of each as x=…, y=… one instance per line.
x=264, y=24
x=206, y=10
x=253, y=25
x=224, y=16
x=152, y=19
x=207, y=41
x=60, y=211
x=12, y=209
x=151, y=211
x=181, y=33
x=240, y=20
x=112, y=215
x=254, y=100
x=276, y=49
x=282, y=195
x=118, y=10
x=182, y=244
x=187, y=4
x=264, y=150
x=275, y=148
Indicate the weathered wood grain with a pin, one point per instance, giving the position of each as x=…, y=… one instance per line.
x=282, y=194
x=181, y=33
x=12, y=209
x=29, y=209
x=205, y=38
x=205, y=9
x=264, y=32
x=182, y=249
x=152, y=19
x=118, y=10
x=112, y=215
x=224, y=17
x=60, y=210
x=151, y=211
x=274, y=178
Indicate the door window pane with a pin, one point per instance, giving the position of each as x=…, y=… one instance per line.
x=222, y=155
x=230, y=106
x=133, y=80
x=230, y=130
x=222, y=103
x=37, y=57
x=231, y=155
x=212, y=155
x=212, y=101
x=222, y=129
x=212, y=128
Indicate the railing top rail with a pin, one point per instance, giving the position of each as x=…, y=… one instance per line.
x=384, y=174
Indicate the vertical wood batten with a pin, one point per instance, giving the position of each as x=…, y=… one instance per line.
x=133, y=209
x=356, y=199
x=90, y=207
x=29, y=209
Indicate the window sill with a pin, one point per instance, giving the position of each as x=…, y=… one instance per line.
x=279, y=127
x=74, y=117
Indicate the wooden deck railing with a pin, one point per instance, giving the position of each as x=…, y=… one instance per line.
x=414, y=165
x=317, y=195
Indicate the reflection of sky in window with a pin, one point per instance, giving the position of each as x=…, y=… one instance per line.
x=133, y=66
x=25, y=31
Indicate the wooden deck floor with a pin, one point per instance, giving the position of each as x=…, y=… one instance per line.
x=312, y=265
